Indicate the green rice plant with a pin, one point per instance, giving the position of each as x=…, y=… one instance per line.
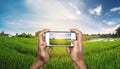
x=60, y=42
x=20, y=53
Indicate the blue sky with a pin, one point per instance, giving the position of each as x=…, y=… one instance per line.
x=89, y=16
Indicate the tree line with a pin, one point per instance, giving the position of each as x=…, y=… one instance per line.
x=28, y=35
x=116, y=34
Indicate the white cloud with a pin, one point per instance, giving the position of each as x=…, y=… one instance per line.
x=59, y=19
x=96, y=11
x=77, y=11
x=110, y=23
x=70, y=3
x=115, y=9
x=50, y=9
x=54, y=15
x=104, y=30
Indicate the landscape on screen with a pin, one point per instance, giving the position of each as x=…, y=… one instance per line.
x=60, y=39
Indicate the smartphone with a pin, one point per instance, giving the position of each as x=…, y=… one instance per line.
x=59, y=38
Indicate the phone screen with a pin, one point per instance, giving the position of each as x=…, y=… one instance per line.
x=59, y=38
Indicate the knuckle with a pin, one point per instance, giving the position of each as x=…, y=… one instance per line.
x=80, y=32
x=40, y=33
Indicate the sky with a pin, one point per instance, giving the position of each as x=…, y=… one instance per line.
x=88, y=16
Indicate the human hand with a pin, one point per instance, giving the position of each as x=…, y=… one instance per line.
x=76, y=52
x=43, y=54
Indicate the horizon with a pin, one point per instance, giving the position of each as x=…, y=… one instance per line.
x=33, y=34
x=29, y=16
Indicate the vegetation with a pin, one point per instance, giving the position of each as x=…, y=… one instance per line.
x=20, y=53
x=89, y=37
x=118, y=31
x=86, y=36
x=60, y=41
x=24, y=35
x=2, y=34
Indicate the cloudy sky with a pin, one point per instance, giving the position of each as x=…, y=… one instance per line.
x=98, y=16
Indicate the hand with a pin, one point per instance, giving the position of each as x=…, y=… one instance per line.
x=76, y=52
x=43, y=54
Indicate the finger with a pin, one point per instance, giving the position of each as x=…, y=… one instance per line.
x=42, y=46
x=50, y=50
x=79, y=34
x=68, y=49
x=75, y=43
x=40, y=36
x=76, y=31
x=43, y=31
x=81, y=47
x=45, y=44
x=73, y=40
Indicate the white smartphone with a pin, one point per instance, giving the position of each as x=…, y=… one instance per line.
x=59, y=38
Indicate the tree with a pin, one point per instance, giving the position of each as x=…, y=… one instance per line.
x=16, y=34
x=24, y=35
x=118, y=31
x=2, y=33
x=29, y=35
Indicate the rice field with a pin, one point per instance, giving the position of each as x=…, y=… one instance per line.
x=20, y=53
x=60, y=41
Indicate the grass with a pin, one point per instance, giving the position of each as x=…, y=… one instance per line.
x=20, y=53
x=60, y=42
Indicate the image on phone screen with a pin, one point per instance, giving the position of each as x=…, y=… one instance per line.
x=59, y=38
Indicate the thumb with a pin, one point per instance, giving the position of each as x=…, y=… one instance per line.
x=50, y=50
x=68, y=49
x=74, y=42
